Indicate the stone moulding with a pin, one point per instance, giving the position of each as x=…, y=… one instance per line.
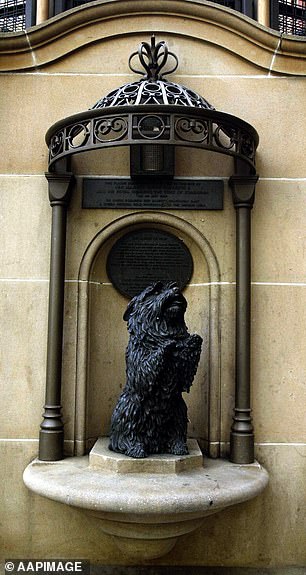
x=80, y=27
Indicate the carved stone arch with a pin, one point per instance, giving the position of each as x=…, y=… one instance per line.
x=210, y=283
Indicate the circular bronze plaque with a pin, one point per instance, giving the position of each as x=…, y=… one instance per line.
x=145, y=256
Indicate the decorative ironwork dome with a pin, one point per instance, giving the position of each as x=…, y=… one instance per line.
x=152, y=110
x=152, y=88
x=153, y=92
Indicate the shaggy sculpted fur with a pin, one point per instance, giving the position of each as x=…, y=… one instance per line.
x=161, y=362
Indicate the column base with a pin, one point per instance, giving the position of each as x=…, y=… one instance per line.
x=51, y=445
x=242, y=448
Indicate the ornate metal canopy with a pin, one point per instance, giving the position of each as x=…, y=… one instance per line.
x=153, y=89
x=152, y=110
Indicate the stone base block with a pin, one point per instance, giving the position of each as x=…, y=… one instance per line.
x=101, y=458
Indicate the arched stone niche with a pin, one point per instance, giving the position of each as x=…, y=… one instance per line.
x=102, y=335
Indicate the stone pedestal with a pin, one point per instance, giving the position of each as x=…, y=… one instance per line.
x=146, y=504
x=101, y=458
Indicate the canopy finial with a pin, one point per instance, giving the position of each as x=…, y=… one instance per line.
x=153, y=57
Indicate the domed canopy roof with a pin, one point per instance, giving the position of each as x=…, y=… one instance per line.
x=152, y=88
x=152, y=109
x=153, y=92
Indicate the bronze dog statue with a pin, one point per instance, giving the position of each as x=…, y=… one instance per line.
x=161, y=362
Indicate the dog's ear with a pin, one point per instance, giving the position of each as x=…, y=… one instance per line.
x=150, y=290
x=129, y=310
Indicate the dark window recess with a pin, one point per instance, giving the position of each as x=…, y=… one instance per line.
x=289, y=16
x=63, y=5
x=246, y=7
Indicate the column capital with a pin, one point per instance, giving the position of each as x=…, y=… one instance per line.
x=243, y=189
x=60, y=187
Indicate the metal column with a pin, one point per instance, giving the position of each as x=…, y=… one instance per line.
x=242, y=435
x=51, y=438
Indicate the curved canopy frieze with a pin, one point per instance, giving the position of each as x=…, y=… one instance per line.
x=90, y=23
x=127, y=125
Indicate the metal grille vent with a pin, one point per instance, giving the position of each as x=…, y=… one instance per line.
x=292, y=17
x=12, y=15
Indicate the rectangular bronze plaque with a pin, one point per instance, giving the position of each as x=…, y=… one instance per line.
x=179, y=194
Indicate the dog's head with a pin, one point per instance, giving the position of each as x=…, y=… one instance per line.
x=157, y=311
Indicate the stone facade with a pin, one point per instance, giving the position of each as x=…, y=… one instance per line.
x=64, y=66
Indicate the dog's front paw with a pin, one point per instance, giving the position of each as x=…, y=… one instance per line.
x=137, y=451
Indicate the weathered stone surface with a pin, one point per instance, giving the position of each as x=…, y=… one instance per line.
x=146, y=512
x=196, y=492
x=101, y=458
